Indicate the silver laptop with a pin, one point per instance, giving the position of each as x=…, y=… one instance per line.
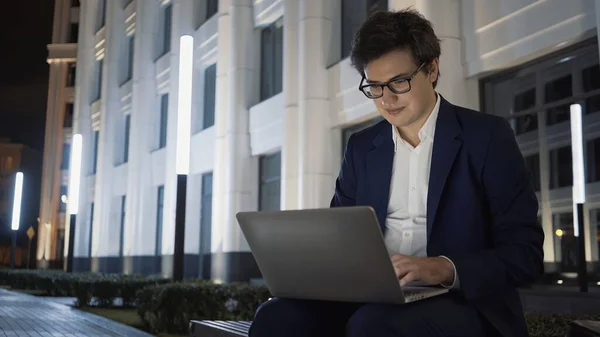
x=332, y=254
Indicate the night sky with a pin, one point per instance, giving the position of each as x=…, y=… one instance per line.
x=25, y=32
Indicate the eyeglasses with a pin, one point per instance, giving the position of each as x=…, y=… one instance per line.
x=397, y=85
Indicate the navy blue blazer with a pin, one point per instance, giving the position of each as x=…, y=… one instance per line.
x=481, y=206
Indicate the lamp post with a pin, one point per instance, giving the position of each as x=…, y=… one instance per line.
x=182, y=146
x=16, y=216
x=73, y=198
x=578, y=193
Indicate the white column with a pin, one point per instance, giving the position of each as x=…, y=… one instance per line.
x=290, y=151
x=235, y=173
x=109, y=121
x=141, y=195
x=82, y=120
x=445, y=18
x=315, y=136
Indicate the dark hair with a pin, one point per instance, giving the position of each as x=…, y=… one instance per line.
x=384, y=32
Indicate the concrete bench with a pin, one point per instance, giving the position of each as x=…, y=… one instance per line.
x=219, y=328
x=584, y=329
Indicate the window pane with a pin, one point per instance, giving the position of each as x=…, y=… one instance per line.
x=278, y=59
x=71, y=74
x=210, y=84
x=561, y=167
x=347, y=132
x=68, y=119
x=206, y=215
x=533, y=164
x=266, y=63
x=522, y=102
x=564, y=241
x=95, y=157
x=91, y=233
x=593, y=160
x=159, y=219
x=130, y=55
x=270, y=182
x=167, y=29
x=212, y=7
x=554, y=91
x=126, y=144
x=164, y=114
x=73, y=32
x=66, y=157
x=591, y=78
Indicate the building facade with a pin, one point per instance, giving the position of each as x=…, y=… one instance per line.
x=15, y=157
x=274, y=101
x=62, y=57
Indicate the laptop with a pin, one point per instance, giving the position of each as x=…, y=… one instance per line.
x=331, y=254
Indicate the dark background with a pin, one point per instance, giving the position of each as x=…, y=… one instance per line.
x=25, y=32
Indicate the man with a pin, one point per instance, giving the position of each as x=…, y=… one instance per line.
x=450, y=188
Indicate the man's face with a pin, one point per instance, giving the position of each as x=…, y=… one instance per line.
x=410, y=108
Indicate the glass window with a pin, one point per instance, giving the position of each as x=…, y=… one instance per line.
x=212, y=7
x=95, y=156
x=347, y=132
x=205, y=222
x=561, y=167
x=166, y=31
x=91, y=233
x=591, y=82
x=210, y=89
x=101, y=14
x=164, y=115
x=593, y=160
x=522, y=102
x=126, y=139
x=270, y=182
x=73, y=32
x=557, y=90
x=595, y=229
x=68, y=119
x=129, y=58
x=354, y=12
x=159, y=219
x=564, y=241
x=122, y=224
x=98, y=80
x=66, y=157
x=271, y=63
x=533, y=164
x=71, y=74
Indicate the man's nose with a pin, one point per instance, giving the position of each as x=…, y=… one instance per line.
x=388, y=98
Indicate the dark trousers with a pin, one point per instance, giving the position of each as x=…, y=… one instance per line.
x=444, y=315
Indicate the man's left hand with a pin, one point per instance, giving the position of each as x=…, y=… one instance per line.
x=430, y=270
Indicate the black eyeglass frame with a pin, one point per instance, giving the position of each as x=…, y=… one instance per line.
x=408, y=79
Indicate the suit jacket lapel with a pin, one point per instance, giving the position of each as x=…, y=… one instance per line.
x=445, y=147
x=380, y=161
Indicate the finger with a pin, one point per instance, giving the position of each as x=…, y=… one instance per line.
x=398, y=257
x=408, y=278
x=404, y=267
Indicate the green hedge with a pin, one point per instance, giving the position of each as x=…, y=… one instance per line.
x=84, y=286
x=170, y=307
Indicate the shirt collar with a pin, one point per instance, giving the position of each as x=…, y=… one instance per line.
x=427, y=130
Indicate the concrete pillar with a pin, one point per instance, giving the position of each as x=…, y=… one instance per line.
x=290, y=182
x=235, y=172
x=82, y=121
x=315, y=138
x=141, y=195
x=109, y=122
x=445, y=18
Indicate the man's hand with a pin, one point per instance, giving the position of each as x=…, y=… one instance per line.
x=430, y=270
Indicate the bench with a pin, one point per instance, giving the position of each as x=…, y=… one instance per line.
x=219, y=328
x=584, y=329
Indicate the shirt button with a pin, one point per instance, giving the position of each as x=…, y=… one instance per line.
x=407, y=234
x=413, y=188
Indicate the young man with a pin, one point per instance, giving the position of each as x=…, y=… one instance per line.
x=451, y=191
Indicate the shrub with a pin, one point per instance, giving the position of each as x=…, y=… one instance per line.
x=169, y=308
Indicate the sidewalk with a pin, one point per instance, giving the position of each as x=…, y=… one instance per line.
x=29, y=316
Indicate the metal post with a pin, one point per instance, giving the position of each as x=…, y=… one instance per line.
x=180, y=206
x=581, y=264
x=69, y=260
x=13, y=249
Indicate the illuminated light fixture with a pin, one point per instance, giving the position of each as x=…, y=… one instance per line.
x=559, y=282
x=578, y=192
x=182, y=147
x=16, y=215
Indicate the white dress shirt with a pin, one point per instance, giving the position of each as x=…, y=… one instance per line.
x=406, y=220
